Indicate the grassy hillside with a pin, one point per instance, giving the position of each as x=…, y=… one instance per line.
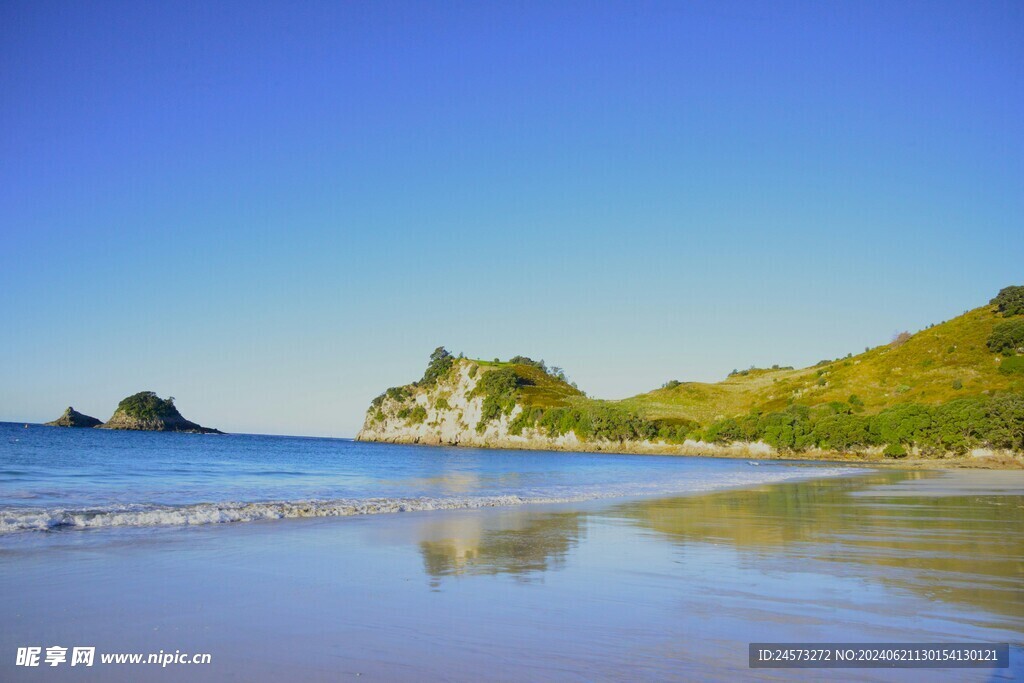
x=949, y=388
x=537, y=387
x=938, y=364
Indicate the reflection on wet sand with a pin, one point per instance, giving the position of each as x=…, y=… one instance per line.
x=957, y=549
x=517, y=543
x=961, y=549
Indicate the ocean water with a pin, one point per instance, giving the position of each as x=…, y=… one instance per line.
x=57, y=479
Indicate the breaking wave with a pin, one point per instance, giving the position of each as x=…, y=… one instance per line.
x=148, y=515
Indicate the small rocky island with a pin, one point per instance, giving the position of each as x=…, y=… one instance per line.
x=73, y=418
x=145, y=411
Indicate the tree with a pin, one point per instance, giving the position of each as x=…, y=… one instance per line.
x=1006, y=421
x=440, y=363
x=1007, y=338
x=1010, y=300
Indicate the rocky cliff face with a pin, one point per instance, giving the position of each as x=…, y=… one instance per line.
x=522, y=403
x=448, y=413
x=73, y=418
x=146, y=411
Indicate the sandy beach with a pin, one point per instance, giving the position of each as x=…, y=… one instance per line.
x=641, y=589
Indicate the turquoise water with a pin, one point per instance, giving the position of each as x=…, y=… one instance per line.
x=54, y=478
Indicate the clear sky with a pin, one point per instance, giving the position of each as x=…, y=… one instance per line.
x=273, y=211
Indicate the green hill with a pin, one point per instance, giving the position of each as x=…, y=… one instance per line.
x=948, y=389
x=938, y=364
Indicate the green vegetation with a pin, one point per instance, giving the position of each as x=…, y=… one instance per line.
x=923, y=368
x=1010, y=300
x=589, y=420
x=1007, y=338
x=956, y=426
x=1012, y=366
x=440, y=364
x=895, y=450
x=523, y=360
x=417, y=415
x=146, y=405
x=399, y=394
x=937, y=391
x=500, y=389
x=744, y=373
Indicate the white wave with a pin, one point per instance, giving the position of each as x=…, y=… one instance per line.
x=44, y=519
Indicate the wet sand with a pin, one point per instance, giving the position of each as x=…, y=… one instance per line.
x=645, y=589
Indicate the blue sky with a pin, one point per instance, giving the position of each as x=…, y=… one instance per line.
x=273, y=211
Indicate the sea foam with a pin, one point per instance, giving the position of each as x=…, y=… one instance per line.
x=15, y=519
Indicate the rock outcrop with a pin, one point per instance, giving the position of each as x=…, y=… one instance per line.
x=451, y=412
x=145, y=411
x=450, y=407
x=446, y=413
x=73, y=418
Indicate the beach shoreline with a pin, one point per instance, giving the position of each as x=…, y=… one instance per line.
x=659, y=588
x=745, y=451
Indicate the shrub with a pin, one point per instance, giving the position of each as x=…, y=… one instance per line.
x=524, y=360
x=958, y=384
x=1005, y=421
x=442, y=403
x=956, y=426
x=1010, y=300
x=147, y=405
x=399, y=394
x=553, y=371
x=1013, y=365
x=1007, y=338
x=895, y=450
x=675, y=430
x=902, y=423
x=841, y=432
x=500, y=389
x=591, y=421
x=417, y=414
x=671, y=384
x=440, y=363
x=473, y=370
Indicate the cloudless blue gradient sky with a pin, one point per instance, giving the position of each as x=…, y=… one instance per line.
x=273, y=211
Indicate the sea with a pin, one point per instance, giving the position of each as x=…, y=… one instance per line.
x=61, y=479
